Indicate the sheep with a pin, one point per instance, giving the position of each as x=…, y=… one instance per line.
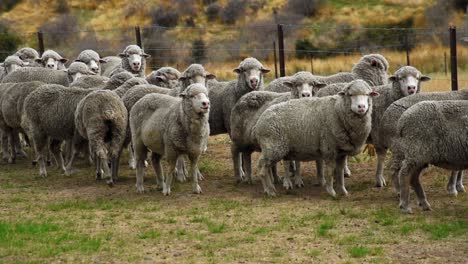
x=166, y=77
x=29, y=55
x=49, y=113
x=111, y=63
x=11, y=104
x=52, y=60
x=327, y=128
x=133, y=61
x=129, y=84
x=223, y=96
x=3, y=125
x=92, y=59
x=388, y=133
x=248, y=109
x=170, y=127
x=44, y=75
x=77, y=70
x=11, y=64
x=101, y=118
x=89, y=81
x=430, y=132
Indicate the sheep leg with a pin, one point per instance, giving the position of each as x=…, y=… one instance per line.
x=347, y=171
x=340, y=163
x=181, y=174
x=115, y=163
x=193, y=170
x=57, y=153
x=18, y=146
x=407, y=171
x=104, y=161
x=274, y=174
x=236, y=161
x=131, y=157
x=320, y=174
x=329, y=167
x=5, y=152
x=418, y=189
x=297, y=175
x=40, y=147
x=379, y=178
x=97, y=165
x=452, y=183
x=169, y=175
x=266, y=176
x=460, y=187
x=140, y=157
x=156, y=162
x=287, y=183
x=11, y=141
x=247, y=164
x=395, y=172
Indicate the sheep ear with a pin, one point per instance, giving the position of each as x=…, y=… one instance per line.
x=161, y=78
x=38, y=60
x=78, y=60
x=341, y=93
x=393, y=78
x=183, y=94
x=264, y=70
x=237, y=70
x=102, y=61
x=123, y=55
x=424, y=78
x=91, y=72
x=210, y=76
x=146, y=55
x=289, y=84
x=373, y=93
x=63, y=60
x=320, y=85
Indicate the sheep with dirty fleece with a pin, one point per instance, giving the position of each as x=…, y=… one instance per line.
x=101, y=118
x=29, y=55
x=52, y=60
x=110, y=64
x=166, y=77
x=247, y=111
x=430, y=132
x=92, y=59
x=170, y=127
x=45, y=75
x=49, y=112
x=328, y=128
x=388, y=133
x=223, y=96
x=133, y=61
x=11, y=64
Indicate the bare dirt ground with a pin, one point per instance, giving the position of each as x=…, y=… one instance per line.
x=76, y=219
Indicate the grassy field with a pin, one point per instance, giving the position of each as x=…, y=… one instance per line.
x=76, y=219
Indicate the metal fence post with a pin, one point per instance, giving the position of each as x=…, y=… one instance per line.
x=453, y=57
x=40, y=42
x=138, y=37
x=281, y=50
x=274, y=58
x=407, y=49
x=445, y=63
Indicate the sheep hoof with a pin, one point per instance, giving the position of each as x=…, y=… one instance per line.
x=110, y=183
x=344, y=192
x=146, y=164
x=330, y=191
x=460, y=188
x=425, y=206
x=11, y=161
x=270, y=193
x=452, y=191
x=200, y=176
x=5, y=158
x=197, y=189
x=98, y=176
x=298, y=182
x=132, y=164
x=406, y=209
x=180, y=176
x=34, y=163
x=166, y=191
x=140, y=188
x=287, y=184
x=347, y=172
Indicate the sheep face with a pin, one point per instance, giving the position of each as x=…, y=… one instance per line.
x=76, y=70
x=197, y=95
x=93, y=66
x=408, y=79
x=13, y=63
x=300, y=89
x=358, y=93
x=135, y=56
x=251, y=70
x=52, y=60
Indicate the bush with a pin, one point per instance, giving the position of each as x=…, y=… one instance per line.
x=7, y=5
x=212, y=11
x=232, y=11
x=198, y=51
x=164, y=17
x=62, y=7
x=9, y=42
x=61, y=31
x=306, y=8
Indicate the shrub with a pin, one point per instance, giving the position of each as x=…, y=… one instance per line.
x=60, y=31
x=7, y=5
x=8, y=42
x=306, y=8
x=164, y=17
x=198, y=51
x=62, y=7
x=212, y=11
x=233, y=10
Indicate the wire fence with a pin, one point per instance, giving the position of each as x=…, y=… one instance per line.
x=320, y=49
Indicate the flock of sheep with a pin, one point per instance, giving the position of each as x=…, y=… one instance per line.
x=97, y=106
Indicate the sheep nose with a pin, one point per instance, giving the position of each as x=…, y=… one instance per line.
x=411, y=89
x=253, y=82
x=361, y=108
x=95, y=69
x=136, y=64
x=50, y=65
x=306, y=94
x=206, y=104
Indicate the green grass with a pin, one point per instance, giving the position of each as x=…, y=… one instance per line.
x=359, y=252
x=150, y=234
x=444, y=230
x=325, y=227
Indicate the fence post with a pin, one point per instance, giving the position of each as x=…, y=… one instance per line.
x=274, y=58
x=453, y=57
x=138, y=37
x=311, y=64
x=281, y=50
x=407, y=49
x=445, y=63
x=40, y=41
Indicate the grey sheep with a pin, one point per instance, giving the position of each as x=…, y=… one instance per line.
x=326, y=128
x=11, y=64
x=29, y=55
x=430, y=132
x=133, y=61
x=44, y=75
x=249, y=108
x=101, y=118
x=166, y=77
x=304, y=78
x=3, y=125
x=223, y=96
x=100, y=82
x=92, y=59
x=49, y=112
x=110, y=64
x=11, y=108
x=388, y=133
x=129, y=84
x=52, y=60
x=77, y=70
x=89, y=81
x=170, y=127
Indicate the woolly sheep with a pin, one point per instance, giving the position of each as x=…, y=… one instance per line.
x=129, y=84
x=306, y=79
x=89, y=81
x=327, y=128
x=11, y=64
x=170, y=127
x=166, y=77
x=133, y=61
x=430, y=132
x=11, y=108
x=248, y=109
x=28, y=55
x=101, y=118
x=92, y=59
x=49, y=113
x=77, y=70
x=44, y=75
x=52, y=60
x=224, y=96
x=3, y=125
x=388, y=133
x=110, y=64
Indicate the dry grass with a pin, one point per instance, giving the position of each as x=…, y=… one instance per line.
x=75, y=219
